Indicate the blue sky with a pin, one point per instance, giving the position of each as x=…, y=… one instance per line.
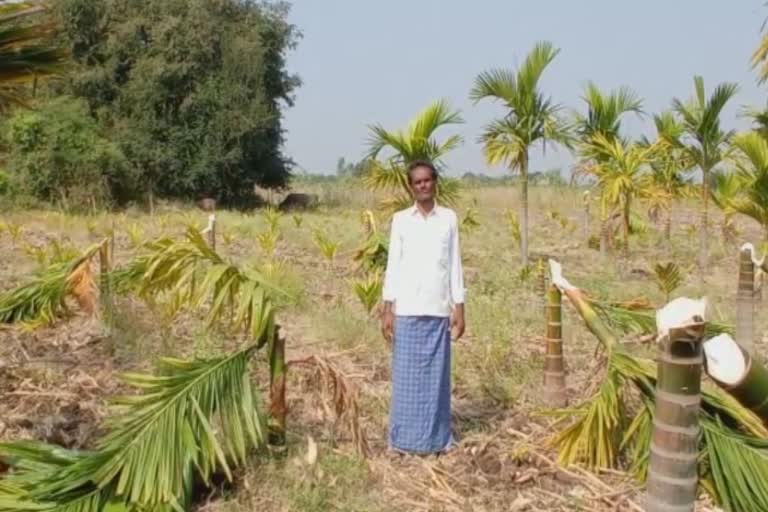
x=367, y=61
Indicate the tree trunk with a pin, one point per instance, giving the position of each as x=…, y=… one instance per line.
x=745, y=300
x=524, y=201
x=605, y=228
x=105, y=287
x=540, y=287
x=703, y=238
x=733, y=369
x=212, y=232
x=554, y=367
x=586, y=219
x=672, y=474
x=278, y=409
x=668, y=227
x=626, y=226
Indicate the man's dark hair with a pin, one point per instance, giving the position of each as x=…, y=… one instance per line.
x=422, y=163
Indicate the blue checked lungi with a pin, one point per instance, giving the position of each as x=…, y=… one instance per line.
x=420, y=410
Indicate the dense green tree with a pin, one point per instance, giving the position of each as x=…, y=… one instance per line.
x=58, y=153
x=191, y=90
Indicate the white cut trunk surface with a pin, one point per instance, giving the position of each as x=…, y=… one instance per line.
x=211, y=222
x=725, y=359
x=751, y=248
x=556, y=272
x=678, y=313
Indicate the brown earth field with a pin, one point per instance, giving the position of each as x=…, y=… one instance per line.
x=55, y=380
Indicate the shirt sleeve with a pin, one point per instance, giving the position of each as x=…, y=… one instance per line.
x=457, y=273
x=392, y=274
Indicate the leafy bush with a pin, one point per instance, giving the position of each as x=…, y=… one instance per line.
x=57, y=153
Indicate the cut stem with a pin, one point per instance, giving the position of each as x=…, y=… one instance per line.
x=672, y=474
x=587, y=312
x=745, y=299
x=737, y=372
x=278, y=409
x=554, y=368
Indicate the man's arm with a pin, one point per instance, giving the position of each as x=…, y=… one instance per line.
x=456, y=284
x=391, y=279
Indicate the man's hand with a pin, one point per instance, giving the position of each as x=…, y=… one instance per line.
x=387, y=322
x=457, y=322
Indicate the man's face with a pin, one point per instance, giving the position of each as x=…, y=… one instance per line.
x=422, y=184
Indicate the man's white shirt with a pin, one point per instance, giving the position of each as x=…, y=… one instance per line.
x=424, y=276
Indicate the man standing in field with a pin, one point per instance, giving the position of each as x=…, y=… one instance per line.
x=423, y=303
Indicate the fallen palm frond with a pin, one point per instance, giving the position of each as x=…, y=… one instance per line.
x=343, y=397
x=738, y=466
x=637, y=318
x=44, y=299
x=603, y=430
x=192, y=419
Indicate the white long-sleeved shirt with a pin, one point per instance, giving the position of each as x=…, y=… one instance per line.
x=424, y=276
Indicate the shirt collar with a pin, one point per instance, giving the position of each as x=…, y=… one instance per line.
x=414, y=210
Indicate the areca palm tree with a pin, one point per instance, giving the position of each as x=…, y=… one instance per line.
x=531, y=118
x=619, y=167
x=666, y=181
x=417, y=142
x=603, y=118
x=703, y=140
x=26, y=50
x=752, y=198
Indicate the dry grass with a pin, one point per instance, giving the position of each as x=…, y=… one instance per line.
x=54, y=381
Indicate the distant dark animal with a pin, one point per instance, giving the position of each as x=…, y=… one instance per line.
x=207, y=204
x=299, y=200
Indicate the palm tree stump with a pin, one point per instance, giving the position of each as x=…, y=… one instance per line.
x=733, y=369
x=278, y=408
x=554, y=367
x=745, y=299
x=105, y=288
x=672, y=474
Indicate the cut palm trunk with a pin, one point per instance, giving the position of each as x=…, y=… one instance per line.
x=105, y=288
x=587, y=312
x=278, y=409
x=745, y=299
x=540, y=286
x=210, y=231
x=672, y=474
x=736, y=371
x=554, y=368
x=585, y=234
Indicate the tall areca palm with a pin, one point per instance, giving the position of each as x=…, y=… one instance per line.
x=26, y=50
x=531, y=118
x=619, y=170
x=603, y=118
x=666, y=181
x=752, y=198
x=703, y=140
x=417, y=142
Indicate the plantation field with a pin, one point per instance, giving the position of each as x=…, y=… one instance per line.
x=55, y=380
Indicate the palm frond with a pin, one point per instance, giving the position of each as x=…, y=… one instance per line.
x=499, y=84
x=43, y=299
x=738, y=466
x=193, y=417
x=668, y=277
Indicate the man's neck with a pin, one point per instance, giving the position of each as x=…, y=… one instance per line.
x=425, y=207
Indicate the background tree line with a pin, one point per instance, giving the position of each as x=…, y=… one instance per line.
x=174, y=99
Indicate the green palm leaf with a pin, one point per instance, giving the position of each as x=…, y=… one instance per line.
x=738, y=466
x=43, y=299
x=193, y=417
